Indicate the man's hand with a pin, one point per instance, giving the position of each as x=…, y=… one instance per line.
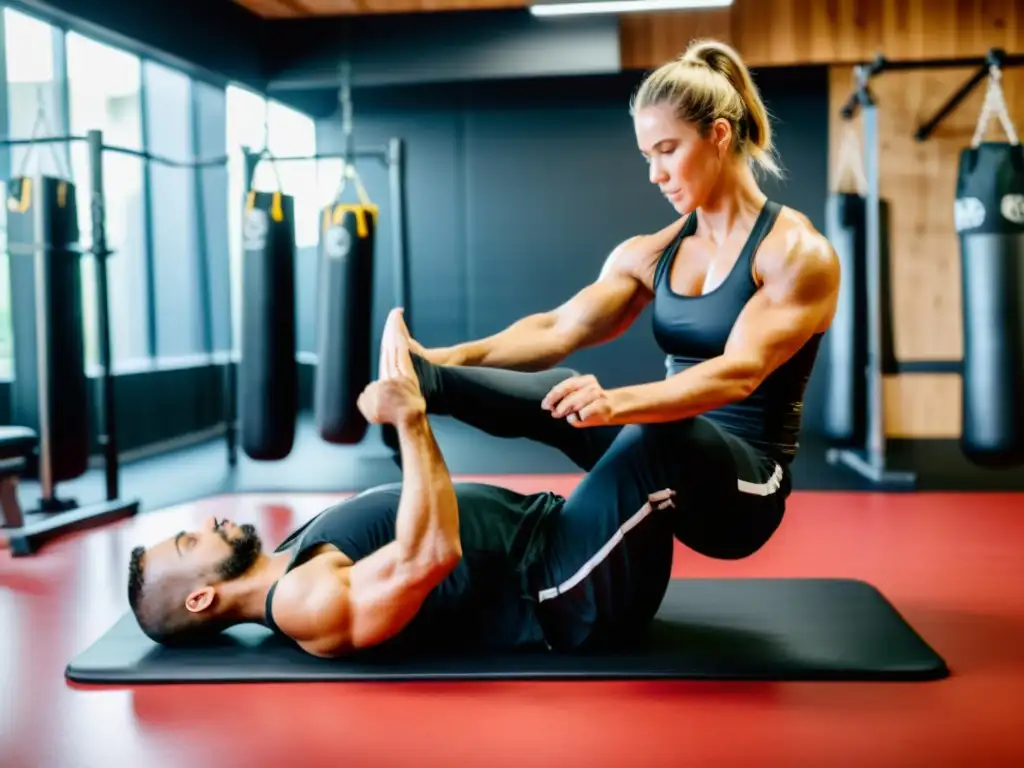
x=396, y=401
x=580, y=400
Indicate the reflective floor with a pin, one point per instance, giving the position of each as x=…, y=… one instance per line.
x=951, y=563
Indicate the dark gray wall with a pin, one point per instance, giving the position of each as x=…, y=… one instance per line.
x=399, y=50
x=518, y=190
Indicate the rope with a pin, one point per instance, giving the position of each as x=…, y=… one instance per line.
x=851, y=163
x=994, y=105
x=40, y=128
x=348, y=170
x=265, y=152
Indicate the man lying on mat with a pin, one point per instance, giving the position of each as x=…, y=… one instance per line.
x=427, y=563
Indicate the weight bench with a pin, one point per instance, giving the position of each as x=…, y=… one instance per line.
x=17, y=447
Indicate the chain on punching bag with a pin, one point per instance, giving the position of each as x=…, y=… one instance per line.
x=989, y=218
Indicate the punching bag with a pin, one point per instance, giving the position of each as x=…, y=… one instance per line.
x=268, y=377
x=50, y=392
x=344, y=319
x=989, y=218
x=846, y=345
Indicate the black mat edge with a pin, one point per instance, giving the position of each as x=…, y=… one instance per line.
x=935, y=670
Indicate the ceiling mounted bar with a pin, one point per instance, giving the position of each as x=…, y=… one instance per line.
x=996, y=60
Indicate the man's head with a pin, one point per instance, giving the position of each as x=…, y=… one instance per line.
x=179, y=589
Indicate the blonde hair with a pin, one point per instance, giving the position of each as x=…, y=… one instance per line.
x=710, y=81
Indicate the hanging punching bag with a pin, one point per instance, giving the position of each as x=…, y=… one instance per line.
x=50, y=385
x=846, y=343
x=268, y=372
x=989, y=218
x=344, y=319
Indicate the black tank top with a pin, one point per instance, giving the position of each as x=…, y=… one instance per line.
x=486, y=602
x=691, y=329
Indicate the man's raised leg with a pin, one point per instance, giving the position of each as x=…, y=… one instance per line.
x=501, y=403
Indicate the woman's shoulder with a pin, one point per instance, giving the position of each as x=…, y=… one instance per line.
x=795, y=247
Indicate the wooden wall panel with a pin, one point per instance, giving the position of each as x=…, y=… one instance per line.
x=270, y=9
x=790, y=32
x=922, y=406
x=919, y=181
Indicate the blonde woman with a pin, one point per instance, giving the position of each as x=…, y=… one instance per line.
x=741, y=289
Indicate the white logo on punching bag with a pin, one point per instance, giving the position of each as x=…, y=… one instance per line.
x=337, y=242
x=1012, y=208
x=968, y=213
x=254, y=230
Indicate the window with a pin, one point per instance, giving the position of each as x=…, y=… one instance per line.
x=104, y=90
x=246, y=115
x=33, y=90
x=178, y=298
x=293, y=134
x=210, y=103
x=253, y=121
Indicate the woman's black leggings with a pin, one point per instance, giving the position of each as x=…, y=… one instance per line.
x=644, y=483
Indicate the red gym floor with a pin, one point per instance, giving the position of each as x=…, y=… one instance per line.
x=951, y=563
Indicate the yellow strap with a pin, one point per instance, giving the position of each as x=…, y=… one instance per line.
x=276, y=207
x=357, y=210
x=22, y=204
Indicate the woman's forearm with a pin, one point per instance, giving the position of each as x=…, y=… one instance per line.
x=531, y=344
x=702, y=388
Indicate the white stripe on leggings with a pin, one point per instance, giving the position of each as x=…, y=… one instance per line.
x=762, y=489
x=658, y=500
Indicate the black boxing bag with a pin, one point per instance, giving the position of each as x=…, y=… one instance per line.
x=989, y=218
x=268, y=372
x=344, y=319
x=846, y=345
x=49, y=369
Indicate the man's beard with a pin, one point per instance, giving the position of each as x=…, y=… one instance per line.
x=245, y=550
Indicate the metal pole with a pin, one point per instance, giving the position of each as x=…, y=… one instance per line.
x=873, y=463
x=952, y=103
x=396, y=178
x=876, y=427
x=108, y=418
x=202, y=246
x=365, y=153
x=230, y=373
x=42, y=297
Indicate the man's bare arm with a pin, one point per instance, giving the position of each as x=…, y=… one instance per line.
x=340, y=608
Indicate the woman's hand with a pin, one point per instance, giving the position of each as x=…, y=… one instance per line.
x=580, y=400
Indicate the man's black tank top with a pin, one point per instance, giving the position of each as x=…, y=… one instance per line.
x=486, y=602
x=692, y=329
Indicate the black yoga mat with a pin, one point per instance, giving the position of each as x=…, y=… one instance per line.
x=723, y=629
